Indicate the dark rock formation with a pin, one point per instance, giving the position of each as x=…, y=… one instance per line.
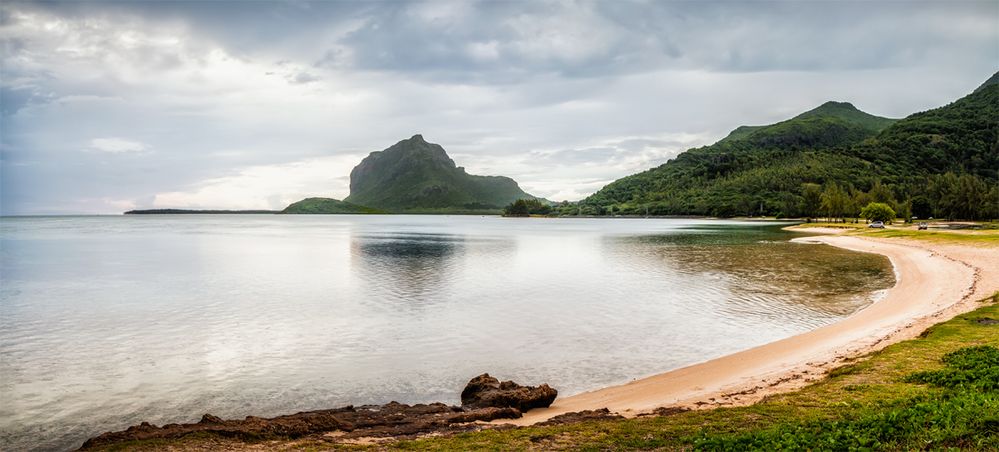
x=390, y=420
x=487, y=400
x=485, y=391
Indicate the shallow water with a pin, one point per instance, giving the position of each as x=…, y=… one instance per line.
x=109, y=321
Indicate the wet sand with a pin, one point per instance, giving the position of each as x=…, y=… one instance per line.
x=934, y=282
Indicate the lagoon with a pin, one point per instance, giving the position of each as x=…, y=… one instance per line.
x=111, y=320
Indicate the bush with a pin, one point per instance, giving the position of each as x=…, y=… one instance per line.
x=878, y=211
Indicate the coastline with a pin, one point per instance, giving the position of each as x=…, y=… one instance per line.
x=934, y=282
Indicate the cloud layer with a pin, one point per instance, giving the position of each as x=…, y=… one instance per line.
x=116, y=105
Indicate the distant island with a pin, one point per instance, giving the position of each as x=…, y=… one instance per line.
x=305, y=206
x=416, y=176
x=194, y=211
x=411, y=176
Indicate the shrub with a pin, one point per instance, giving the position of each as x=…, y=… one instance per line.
x=878, y=211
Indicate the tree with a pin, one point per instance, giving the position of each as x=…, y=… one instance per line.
x=965, y=197
x=526, y=207
x=835, y=201
x=858, y=199
x=517, y=209
x=878, y=211
x=921, y=207
x=880, y=193
x=811, y=200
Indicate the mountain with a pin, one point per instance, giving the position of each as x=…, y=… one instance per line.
x=847, y=112
x=994, y=80
x=961, y=137
x=776, y=169
x=416, y=176
x=326, y=206
x=835, y=123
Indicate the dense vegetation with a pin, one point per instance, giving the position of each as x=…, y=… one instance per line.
x=526, y=208
x=326, y=206
x=942, y=163
x=416, y=176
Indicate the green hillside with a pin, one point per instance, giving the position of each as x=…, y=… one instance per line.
x=829, y=161
x=326, y=206
x=837, y=115
x=416, y=176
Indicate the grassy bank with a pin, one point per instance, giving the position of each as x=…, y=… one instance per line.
x=935, y=392
x=987, y=234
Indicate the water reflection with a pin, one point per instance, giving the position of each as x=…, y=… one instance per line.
x=750, y=275
x=406, y=270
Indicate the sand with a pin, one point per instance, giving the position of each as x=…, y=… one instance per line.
x=934, y=282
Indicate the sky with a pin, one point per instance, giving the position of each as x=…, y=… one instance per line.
x=110, y=106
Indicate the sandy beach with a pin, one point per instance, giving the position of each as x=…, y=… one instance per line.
x=934, y=282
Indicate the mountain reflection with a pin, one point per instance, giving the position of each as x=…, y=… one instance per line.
x=752, y=274
x=412, y=269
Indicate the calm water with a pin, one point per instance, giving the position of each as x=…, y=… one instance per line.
x=109, y=321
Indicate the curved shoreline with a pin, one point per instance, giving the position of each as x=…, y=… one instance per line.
x=930, y=287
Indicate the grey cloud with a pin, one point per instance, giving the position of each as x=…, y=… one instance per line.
x=303, y=77
x=563, y=96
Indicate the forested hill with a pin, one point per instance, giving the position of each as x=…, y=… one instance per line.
x=941, y=162
x=835, y=115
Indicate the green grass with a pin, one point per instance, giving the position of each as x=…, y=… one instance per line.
x=987, y=232
x=990, y=236
x=830, y=225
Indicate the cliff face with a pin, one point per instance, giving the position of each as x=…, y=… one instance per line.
x=414, y=175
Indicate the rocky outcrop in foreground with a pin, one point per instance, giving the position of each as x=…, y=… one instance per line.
x=484, y=399
x=485, y=391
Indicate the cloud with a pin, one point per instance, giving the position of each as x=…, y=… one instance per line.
x=571, y=174
x=304, y=77
x=564, y=96
x=116, y=145
x=266, y=186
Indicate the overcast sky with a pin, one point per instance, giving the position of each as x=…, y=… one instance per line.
x=239, y=105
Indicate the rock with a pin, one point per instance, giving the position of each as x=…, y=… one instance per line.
x=209, y=419
x=485, y=391
x=484, y=399
x=580, y=416
x=390, y=420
